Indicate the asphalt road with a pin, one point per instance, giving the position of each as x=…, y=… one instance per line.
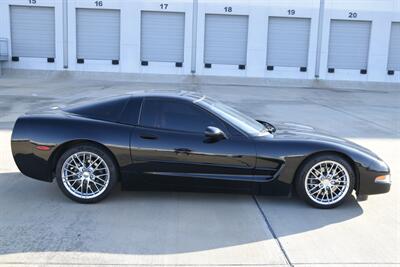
x=39, y=226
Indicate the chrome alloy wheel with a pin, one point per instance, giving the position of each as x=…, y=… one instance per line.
x=85, y=175
x=327, y=182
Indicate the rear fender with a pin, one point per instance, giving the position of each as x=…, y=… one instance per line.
x=56, y=130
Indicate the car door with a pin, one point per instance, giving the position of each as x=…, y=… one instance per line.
x=170, y=141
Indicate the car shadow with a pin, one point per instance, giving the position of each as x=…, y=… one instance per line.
x=291, y=215
x=36, y=217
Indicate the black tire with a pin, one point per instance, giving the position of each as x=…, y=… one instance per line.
x=306, y=167
x=96, y=150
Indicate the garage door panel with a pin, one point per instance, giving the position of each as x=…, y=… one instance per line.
x=3, y=50
x=32, y=31
x=98, y=34
x=394, y=47
x=349, y=44
x=288, y=41
x=226, y=39
x=162, y=36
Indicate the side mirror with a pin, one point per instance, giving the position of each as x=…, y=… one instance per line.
x=214, y=133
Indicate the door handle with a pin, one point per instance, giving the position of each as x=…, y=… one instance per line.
x=182, y=150
x=148, y=137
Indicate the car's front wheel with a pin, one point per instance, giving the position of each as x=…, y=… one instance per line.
x=325, y=181
x=86, y=173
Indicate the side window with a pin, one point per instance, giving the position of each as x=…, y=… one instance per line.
x=132, y=110
x=108, y=109
x=176, y=115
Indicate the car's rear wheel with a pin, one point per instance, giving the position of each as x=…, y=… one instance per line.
x=86, y=173
x=325, y=181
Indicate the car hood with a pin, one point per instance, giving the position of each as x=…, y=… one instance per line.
x=294, y=131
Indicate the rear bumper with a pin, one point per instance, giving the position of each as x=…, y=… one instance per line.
x=31, y=163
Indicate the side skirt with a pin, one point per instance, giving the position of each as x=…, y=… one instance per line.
x=148, y=182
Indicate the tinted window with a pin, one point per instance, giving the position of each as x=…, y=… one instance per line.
x=235, y=117
x=131, y=112
x=176, y=115
x=104, y=109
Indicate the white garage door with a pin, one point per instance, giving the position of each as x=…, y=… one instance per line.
x=394, y=49
x=32, y=31
x=226, y=39
x=349, y=44
x=97, y=34
x=288, y=41
x=3, y=49
x=162, y=36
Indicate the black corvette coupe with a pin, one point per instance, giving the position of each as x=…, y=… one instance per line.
x=185, y=141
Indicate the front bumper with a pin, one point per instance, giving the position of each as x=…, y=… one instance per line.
x=375, y=188
x=369, y=185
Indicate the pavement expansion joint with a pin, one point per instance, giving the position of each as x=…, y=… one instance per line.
x=272, y=232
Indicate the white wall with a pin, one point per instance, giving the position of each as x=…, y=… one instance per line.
x=33, y=63
x=130, y=36
x=258, y=11
x=380, y=12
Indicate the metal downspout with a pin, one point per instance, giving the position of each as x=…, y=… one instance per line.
x=319, y=40
x=65, y=34
x=194, y=35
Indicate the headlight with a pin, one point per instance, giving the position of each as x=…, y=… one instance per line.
x=379, y=166
x=386, y=179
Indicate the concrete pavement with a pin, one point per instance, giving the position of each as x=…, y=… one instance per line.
x=39, y=226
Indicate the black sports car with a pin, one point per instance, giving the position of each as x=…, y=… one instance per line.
x=185, y=141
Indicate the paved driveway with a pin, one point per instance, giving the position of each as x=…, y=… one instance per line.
x=39, y=226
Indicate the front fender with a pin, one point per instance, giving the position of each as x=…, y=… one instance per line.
x=292, y=153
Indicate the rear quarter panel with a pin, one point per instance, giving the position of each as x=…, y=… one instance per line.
x=56, y=130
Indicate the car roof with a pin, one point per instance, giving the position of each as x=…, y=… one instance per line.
x=174, y=94
x=182, y=94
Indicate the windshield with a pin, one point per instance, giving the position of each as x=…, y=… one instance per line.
x=235, y=117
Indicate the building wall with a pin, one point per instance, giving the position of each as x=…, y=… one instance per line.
x=130, y=36
x=259, y=11
x=381, y=12
x=33, y=63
